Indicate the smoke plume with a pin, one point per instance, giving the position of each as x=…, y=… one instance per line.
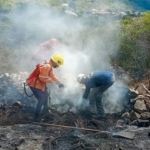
x=86, y=47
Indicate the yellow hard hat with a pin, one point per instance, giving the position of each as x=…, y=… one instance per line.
x=58, y=59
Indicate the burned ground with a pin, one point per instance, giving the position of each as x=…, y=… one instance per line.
x=17, y=131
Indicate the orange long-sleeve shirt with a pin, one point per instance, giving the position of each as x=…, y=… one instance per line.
x=41, y=75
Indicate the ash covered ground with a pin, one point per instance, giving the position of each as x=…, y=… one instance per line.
x=17, y=131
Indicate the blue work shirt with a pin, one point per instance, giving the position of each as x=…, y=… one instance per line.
x=97, y=79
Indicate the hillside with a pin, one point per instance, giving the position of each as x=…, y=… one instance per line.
x=124, y=5
x=22, y=27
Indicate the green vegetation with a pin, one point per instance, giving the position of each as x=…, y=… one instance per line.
x=134, y=52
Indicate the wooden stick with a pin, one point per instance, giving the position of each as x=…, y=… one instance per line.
x=69, y=127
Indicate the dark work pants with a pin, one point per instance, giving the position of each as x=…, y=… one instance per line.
x=42, y=97
x=98, y=92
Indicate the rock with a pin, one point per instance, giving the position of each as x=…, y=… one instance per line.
x=6, y=75
x=21, y=140
x=147, y=102
x=18, y=104
x=143, y=123
x=120, y=123
x=134, y=122
x=140, y=97
x=141, y=89
x=145, y=115
x=137, y=115
x=133, y=93
x=125, y=115
x=147, y=95
x=49, y=138
x=140, y=106
x=1, y=76
x=124, y=134
x=133, y=116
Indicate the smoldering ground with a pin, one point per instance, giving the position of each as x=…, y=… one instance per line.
x=85, y=48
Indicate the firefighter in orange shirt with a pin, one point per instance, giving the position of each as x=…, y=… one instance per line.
x=45, y=49
x=39, y=77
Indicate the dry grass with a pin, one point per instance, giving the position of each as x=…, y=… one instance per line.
x=7, y=60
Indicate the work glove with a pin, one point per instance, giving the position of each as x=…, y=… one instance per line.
x=60, y=85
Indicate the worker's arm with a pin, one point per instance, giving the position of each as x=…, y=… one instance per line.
x=44, y=74
x=86, y=93
x=54, y=77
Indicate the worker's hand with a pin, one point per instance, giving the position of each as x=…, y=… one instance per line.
x=84, y=103
x=60, y=85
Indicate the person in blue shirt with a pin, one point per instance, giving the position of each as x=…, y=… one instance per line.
x=101, y=81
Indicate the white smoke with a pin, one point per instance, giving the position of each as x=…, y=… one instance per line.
x=83, y=48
